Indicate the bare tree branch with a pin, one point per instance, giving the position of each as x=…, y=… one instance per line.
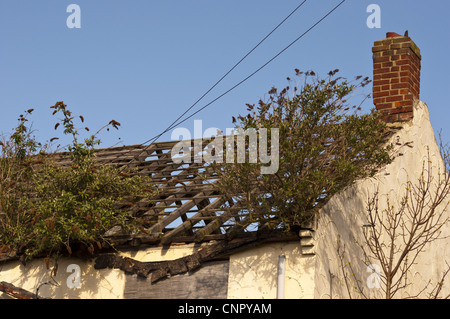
x=16, y=292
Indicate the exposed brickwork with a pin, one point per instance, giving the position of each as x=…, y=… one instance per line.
x=396, y=77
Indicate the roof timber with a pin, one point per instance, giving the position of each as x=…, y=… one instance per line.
x=187, y=202
x=188, y=206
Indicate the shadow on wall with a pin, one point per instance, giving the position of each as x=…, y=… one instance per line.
x=254, y=272
x=74, y=279
x=338, y=249
x=343, y=220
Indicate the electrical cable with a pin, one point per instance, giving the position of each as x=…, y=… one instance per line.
x=259, y=69
x=228, y=72
x=242, y=81
x=174, y=123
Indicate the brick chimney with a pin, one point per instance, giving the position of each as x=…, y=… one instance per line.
x=396, y=77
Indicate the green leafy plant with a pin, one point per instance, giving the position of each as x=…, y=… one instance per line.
x=67, y=202
x=325, y=145
x=16, y=172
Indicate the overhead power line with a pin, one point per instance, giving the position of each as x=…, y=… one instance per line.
x=259, y=69
x=174, y=123
x=225, y=75
x=178, y=122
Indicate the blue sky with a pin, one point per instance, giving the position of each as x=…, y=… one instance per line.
x=144, y=62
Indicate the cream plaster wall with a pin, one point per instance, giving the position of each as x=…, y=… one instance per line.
x=105, y=283
x=344, y=216
x=253, y=273
x=162, y=253
x=95, y=284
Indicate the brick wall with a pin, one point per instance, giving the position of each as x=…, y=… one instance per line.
x=396, y=77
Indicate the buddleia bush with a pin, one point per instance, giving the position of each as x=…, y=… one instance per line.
x=52, y=206
x=325, y=145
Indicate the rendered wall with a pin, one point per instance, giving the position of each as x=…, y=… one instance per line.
x=345, y=216
x=253, y=273
x=101, y=284
x=105, y=283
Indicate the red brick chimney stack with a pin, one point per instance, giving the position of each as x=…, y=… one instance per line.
x=396, y=77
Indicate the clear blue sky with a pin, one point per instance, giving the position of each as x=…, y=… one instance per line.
x=144, y=62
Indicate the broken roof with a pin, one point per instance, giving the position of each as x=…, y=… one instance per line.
x=187, y=206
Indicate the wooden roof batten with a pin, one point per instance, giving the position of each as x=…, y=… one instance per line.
x=188, y=205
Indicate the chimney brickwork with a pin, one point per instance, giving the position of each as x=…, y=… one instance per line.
x=396, y=77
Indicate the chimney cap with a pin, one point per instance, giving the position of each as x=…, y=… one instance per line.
x=392, y=35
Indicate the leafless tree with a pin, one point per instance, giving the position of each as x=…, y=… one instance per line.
x=396, y=235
